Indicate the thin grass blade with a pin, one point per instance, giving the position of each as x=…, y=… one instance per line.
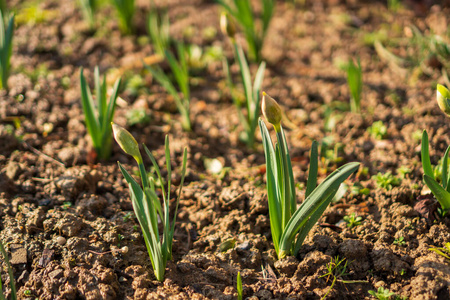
x=426, y=163
x=313, y=169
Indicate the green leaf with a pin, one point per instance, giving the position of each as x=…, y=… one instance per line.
x=321, y=195
x=91, y=120
x=444, y=170
x=313, y=169
x=273, y=194
x=442, y=196
x=426, y=163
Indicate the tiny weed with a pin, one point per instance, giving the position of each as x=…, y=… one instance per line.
x=386, y=181
x=385, y=294
x=127, y=217
x=352, y=220
x=400, y=241
x=137, y=116
x=378, y=130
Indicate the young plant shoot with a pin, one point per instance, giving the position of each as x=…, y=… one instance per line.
x=355, y=84
x=125, y=11
x=290, y=225
x=98, y=117
x=180, y=71
x=252, y=98
x=242, y=13
x=158, y=30
x=146, y=205
x=11, y=276
x=6, y=36
x=88, y=8
x=440, y=191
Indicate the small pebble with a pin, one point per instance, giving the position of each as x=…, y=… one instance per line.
x=61, y=240
x=124, y=249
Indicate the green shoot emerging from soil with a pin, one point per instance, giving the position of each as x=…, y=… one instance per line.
x=444, y=251
x=355, y=84
x=242, y=13
x=158, y=29
x=251, y=100
x=290, y=225
x=180, y=71
x=98, y=117
x=352, y=220
x=378, y=130
x=88, y=8
x=146, y=205
x=440, y=191
x=125, y=11
x=11, y=276
x=6, y=36
x=239, y=286
x=384, y=294
x=386, y=181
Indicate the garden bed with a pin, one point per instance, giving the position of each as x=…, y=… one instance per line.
x=65, y=216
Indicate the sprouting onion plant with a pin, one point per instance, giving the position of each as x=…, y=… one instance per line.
x=355, y=84
x=125, y=11
x=239, y=286
x=11, y=276
x=158, y=29
x=440, y=191
x=251, y=101
x=180, y=72
x=88, y=8
x=98, y=116
x=241, y=11
x=290, y=225
x=6, y=37
x=146, y=205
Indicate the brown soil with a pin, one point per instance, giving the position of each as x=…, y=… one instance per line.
x=63, y=217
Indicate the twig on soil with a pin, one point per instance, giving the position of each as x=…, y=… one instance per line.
x=46, y=157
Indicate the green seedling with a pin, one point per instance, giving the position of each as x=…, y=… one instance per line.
x=400, y=241
x=125, y=11
x=158, y=30
x=146, y=205
x=11, y=276
x=378, y=130
x=352, y=220
x=241, y=11
x=440, y=191
x=88, y=8
x=6, y=37
x=251, y=101
x=385, y=294
x=137, y=116
x=336, y=268
x=444, y=251
x=386, y=181
x=394, y=5
x=402, y=171
x=290, y=225
x=355, y=83
x=239, y=286
x=98, y=117
x=180, y=72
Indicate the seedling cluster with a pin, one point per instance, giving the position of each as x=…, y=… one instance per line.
x=291, y=220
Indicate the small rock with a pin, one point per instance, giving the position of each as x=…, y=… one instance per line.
x=61, y=240
x=18, y=254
